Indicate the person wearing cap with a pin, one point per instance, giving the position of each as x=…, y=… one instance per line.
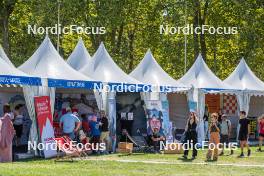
x=191, y=134
x=70, y=123
x=225, y=131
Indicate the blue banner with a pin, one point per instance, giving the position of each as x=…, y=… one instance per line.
x=23, y=80
x=61, y=83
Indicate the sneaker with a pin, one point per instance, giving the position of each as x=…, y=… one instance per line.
x=193, y=158
x=249, y=152
x=241, y=155
x=215, y=159
x=259, y=150
x=221, y=154
x=184, y=156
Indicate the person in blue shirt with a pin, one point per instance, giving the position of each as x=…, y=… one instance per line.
x=95, y=132
x=70, y=123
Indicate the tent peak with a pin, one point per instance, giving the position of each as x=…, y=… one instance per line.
x=79, y=56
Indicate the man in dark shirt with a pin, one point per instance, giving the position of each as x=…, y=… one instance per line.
x=156, y=138
x=244, y=133
x=104, y=130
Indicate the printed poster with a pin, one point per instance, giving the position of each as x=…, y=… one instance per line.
x=45, y=125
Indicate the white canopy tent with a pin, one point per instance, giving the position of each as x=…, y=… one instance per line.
x=4, y=56
x=10, y=75
x=55, y=72
x=103, y=68
x=242, y=78
x=203, y=80
x=13, y=78
x=79, y=57
x=150, y=72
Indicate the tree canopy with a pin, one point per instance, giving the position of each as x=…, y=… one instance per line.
x=134, y=26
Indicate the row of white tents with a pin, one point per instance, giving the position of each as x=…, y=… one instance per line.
x=45, y=71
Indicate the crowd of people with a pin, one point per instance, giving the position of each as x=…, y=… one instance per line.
x=92, y=129
x=219, y=132
x=95, y=130
x=14, y=130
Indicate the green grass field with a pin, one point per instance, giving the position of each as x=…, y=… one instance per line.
x=139, y=164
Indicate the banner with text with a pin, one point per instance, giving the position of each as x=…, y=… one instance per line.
x=45, y=127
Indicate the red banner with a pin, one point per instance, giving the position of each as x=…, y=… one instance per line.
x=43, y=111
x=45, y=125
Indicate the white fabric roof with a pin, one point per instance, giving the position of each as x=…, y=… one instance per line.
x=244, y=79
x=103, y=68
x=79, y=57
x=47, y=63
x=11, y=75
x=149, y=71
x=7, y=69
x=200, y=76
x=4, y=57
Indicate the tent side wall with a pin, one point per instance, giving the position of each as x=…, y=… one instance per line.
x=178, y=109
x=256, y=106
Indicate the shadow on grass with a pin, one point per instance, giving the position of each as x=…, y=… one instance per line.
x=189, y=160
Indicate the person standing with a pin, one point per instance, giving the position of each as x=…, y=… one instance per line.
x=7, y=133
x=104, y=137
x=95, y=133
x=205, y=118
x=191, y=135
x=244, y=133
x=70, y=124
x=18, y=123
x=225, y=132
x=214, y=137
x=261, y=131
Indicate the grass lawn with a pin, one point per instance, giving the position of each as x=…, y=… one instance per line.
x=139, y=164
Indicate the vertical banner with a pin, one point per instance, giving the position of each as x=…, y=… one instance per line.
x=166, y=118
x=45, y=127
x=112, y=122
x=192, y=106
x=154, y=116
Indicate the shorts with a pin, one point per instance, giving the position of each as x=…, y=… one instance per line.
x=243, y=137
x=104, y=135
x=18, y=129
x=224, y=139
x=261, y=134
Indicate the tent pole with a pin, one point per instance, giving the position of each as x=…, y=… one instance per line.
x=58, y=27
x=185, y=40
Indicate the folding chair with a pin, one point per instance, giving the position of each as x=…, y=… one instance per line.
x=64, y=147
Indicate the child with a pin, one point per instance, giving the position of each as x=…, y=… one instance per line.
x=214, y=137
x=261, y=131
x=244, y=133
